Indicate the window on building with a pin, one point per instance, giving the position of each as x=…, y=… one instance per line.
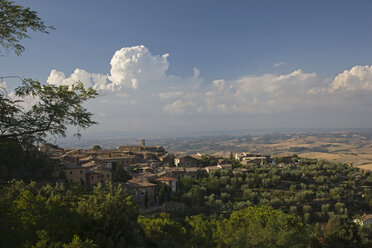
x=81, y=172
x=91, y=177
x=70, y=172
x=70, y=180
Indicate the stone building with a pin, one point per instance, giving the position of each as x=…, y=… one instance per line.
x=169, y=181
x=75, y=174
x=139, y=188
x=186, y=161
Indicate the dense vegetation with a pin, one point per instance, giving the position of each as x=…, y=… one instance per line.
x=32, y=215
x=313, y=189
x=46, y=216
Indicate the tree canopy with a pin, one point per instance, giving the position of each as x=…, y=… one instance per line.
x=15, y=23
x=56, y=108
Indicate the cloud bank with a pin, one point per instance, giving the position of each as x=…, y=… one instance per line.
x=139, y=87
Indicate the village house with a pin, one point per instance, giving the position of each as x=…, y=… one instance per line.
x=75, y=173
x=223, y=161
x=164, y=172
x=52, y=150
x=177, y=171
x=186, y=161
x=259, y=160
x=156, y=150
x=146, y=172
x=125, y=160
x=105, y=172
x=94, y=177
x=142, y=190
x=84, y=160
x=225, y=166
x=166, y=159
x=90, y=165
x=69, y=160
x=211, y=169
x=169, y=181
x=192, y=172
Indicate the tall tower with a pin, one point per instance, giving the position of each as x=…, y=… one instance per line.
x=143, y=143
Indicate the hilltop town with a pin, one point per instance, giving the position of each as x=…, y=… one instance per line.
x=142, y=169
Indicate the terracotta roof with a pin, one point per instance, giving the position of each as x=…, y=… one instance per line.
x=165, y=179
x=86, y=158
x=77, y=155
x=225, y=165
x=209, y=168
x=164, y=173
x=89, y=164
x=180, y=169
x=148, y=175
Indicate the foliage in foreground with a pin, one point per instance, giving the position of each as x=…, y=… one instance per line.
x=52, y=216
x=71, y=216
x=54, y=109
x=15, y=23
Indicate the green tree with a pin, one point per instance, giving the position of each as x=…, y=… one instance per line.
x=45, y=216
x=162, y=231
x=29, y=213
x=260, y=227
x=18, y=163
x=340, y=231
x=78, y=243
x=56, y=108
x=201, y=231
x=111, y=217
x=96, y=147
x=15, y=23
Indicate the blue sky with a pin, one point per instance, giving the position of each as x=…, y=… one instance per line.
x=311, y=44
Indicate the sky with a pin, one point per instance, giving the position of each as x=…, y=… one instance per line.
x=197, y=66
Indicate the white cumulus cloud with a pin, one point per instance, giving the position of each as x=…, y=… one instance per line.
x=88, y=79
x=357, y=78
x=136, y=66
